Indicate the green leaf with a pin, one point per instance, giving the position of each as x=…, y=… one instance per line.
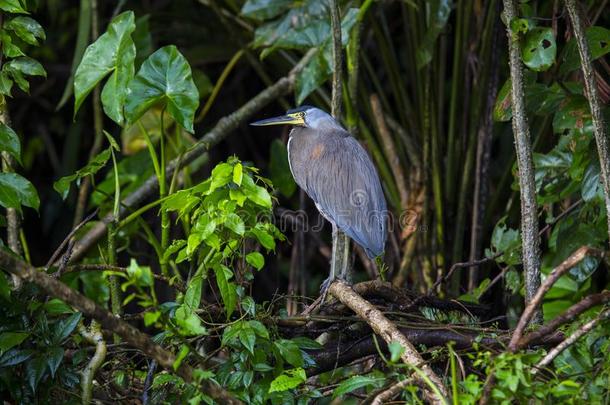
x=26, y=28
x=192, y=297
x=9, y=49
x=113, y=52
x=279, y=169
x=62, y=186
x=6, y=84
x=259, y=329
x=56, y=306
x=598, y=39
x=151, y=317
x=12, y=6
x=27, y=66
x=65, y=327
x=439, y=11
x=247, y=337
x=142, y=275
x=238, y=174
x=184, y=351
x=189, y=322
x=54, y=356
x=289, y=379
x=34, y=371
x=356, y=382
x=165, y=78
x=255, y=260
x=263, y=237
x=16, y=191
x=539, y=49
x=396, y=350
x=9, y=142
x=290, y=352
x=227, y=289
x=15, y=356
x=235, y=223
x=503, y=105
x=8, y=340
x=265, y=9
x=257, y=194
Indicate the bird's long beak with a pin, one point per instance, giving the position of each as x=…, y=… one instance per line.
x=288, y=119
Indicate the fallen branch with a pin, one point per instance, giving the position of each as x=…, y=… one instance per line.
x=223, y=128
x=89, y=308
x=390, y=333
x=536, y=300
x=580, y=332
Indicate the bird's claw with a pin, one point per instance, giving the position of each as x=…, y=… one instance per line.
x=326, y=286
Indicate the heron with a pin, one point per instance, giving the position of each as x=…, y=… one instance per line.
x=335, y=171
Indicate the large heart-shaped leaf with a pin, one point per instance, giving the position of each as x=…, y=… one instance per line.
x=15, y=191
x=165, y=78
x=113, y=52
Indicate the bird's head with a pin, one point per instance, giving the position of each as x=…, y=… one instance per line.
x=304, y=116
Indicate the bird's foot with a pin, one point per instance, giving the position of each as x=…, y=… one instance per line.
x=326, y=286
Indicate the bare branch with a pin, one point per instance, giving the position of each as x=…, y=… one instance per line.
x=390, y=333
x=580, y=332
x=569, y=315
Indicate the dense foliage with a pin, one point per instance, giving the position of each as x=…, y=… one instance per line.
x=129, y=174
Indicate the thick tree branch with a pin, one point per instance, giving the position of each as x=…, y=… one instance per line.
x=525, y=163
x=89, y=308
x=599, y=126
x=390, y=333
x=223, y=128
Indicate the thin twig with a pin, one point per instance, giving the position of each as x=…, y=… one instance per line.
x=567, y=316
x=67, y=239
x=580, y=332
x=536, y=300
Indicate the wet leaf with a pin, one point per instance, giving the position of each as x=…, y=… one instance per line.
x=356, y=382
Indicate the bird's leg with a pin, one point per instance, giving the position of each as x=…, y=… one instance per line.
x=334, y=261
x=346, y=265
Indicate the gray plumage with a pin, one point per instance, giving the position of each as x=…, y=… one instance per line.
x=339, y=176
